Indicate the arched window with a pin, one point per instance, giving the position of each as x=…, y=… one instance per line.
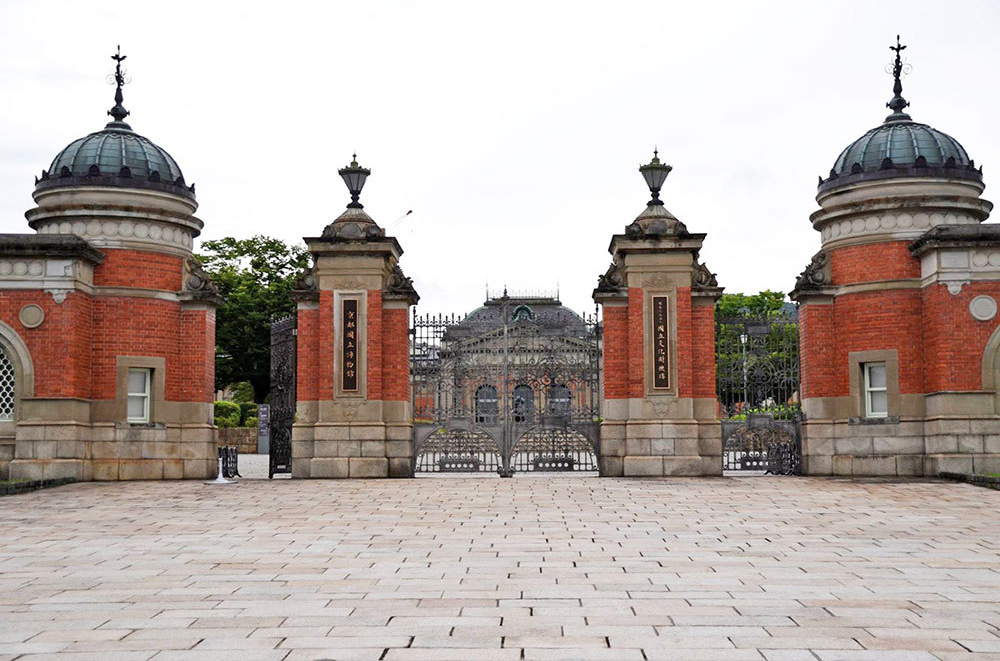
x=487, y=406
x=524, y=404
x=8, y=387
x=522, y=313
x=560, y=399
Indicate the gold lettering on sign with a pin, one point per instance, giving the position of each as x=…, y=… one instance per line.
x=661, y=338
x=349, y=345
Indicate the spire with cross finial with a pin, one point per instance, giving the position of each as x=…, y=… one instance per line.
x=118, y=112
x=899, y=69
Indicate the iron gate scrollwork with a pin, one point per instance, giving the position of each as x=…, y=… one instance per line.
x=283, y=375
x=757, y=381
x=512, y=387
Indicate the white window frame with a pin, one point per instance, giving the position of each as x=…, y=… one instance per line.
x=869, y=389
x=147, y=394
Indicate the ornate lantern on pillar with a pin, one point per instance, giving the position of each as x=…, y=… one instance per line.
x=655, y=173
x=354, y=176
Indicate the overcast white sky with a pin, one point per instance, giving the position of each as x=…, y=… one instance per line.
x=513, y=130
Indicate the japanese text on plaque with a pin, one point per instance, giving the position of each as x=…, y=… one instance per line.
x=661, y=362
x=350, y=345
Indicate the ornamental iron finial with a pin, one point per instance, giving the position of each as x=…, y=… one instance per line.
x=898, y=69
x=120, y=79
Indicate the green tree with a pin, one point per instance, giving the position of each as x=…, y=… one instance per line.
x=255, y=277
x=762, y=304
x=756, y=353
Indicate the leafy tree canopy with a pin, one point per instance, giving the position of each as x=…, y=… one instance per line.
x=255, y=276
x=767, y=301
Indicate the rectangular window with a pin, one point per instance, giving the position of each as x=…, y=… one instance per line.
x=139, y=381
x=876, y=393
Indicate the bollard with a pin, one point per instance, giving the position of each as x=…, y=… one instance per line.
x=220, y=479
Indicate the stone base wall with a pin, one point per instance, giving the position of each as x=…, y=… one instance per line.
x=6, y=456
x=242, y=438
x=907, y=448
x=113, y=451
x=352, y=450
x=653, y=448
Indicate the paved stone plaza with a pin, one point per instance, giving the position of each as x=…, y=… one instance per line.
x=482, y=568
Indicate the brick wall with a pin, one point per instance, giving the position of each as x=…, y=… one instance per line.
x=395, y=354
x=127, y=326
x=374, y=344
x=874, y=321
x=636, y=375
x=615, y=374
x=954, y=340
x=60, y=347
x=703, y=350
x=872, y=263
x=135, y=268
x=816, y=350
x=197, y=356
x=307, y=358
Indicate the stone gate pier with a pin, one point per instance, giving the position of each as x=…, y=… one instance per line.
x=353, y=414
x=659, y=409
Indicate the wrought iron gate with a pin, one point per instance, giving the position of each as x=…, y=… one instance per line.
x=283, y=363
x=512, y=387
x=757, y=379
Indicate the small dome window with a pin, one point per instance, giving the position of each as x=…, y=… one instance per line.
x=523, y=313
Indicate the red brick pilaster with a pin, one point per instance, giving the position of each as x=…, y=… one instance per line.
x=307, y=355
x=395, y=354
x=616, y=333
x=703, y=348
x=374, y=321
x=636, y=375
x=816, y=350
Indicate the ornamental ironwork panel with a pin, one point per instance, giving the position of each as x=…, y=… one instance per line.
x=514, y=386
x=283, y=374
x=757, y=381
x=8, y=387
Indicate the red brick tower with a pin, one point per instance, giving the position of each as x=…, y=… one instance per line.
x=108, y=322
x=353, y=415
x=659, y=348
x=899, y=307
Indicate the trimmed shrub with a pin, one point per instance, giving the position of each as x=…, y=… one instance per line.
x=247, y=410
x=227, y=414
x=251, y=422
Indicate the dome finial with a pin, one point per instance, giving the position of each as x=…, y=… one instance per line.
x=899, y=69
x=118, y=112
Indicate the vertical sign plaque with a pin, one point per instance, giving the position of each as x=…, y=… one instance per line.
x=661, y=362
x=349, y=345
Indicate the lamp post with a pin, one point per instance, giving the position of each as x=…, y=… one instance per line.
x=743, y=341
x=354, y=176
x=655, y=173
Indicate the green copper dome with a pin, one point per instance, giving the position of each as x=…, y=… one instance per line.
x=900, y=147
x=116, y=156
x=113, y=149
x=904, y=143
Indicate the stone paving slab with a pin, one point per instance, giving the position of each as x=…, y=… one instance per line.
x=536, y=567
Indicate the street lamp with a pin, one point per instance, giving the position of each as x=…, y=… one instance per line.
x=655, y=173
x=743, y=341
x=354, y=176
